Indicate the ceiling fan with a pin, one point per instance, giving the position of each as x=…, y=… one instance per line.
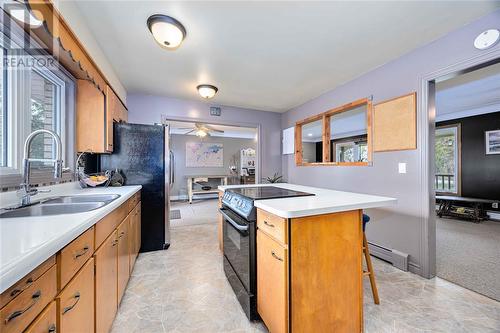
x=201, y=130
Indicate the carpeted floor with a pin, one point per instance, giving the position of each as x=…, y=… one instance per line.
x=468, y=254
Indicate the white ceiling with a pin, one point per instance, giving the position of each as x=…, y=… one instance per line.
x=182, y=127
x=269, y=56
x=470, y=94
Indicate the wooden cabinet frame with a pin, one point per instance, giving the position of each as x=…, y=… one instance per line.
x=326, y=134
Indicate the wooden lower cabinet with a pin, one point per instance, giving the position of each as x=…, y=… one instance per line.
x=75, y=308
x=21, y=311
x=106, y=284
x=313, y=281
x=123, y=256
x=46, y=322
x=272, y=283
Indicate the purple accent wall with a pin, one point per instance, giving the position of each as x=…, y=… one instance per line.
x=147, y=109
x=397, y=227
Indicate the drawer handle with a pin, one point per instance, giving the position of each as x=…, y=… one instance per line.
x=76, y=296
x=81, y=253
x=114, y=242
x=35, y=297
x=121, y=234
x=276, y=257
x=269, y=224
x=17, y=291
x=52, y=328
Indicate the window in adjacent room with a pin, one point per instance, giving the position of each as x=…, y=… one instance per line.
x=447, y=152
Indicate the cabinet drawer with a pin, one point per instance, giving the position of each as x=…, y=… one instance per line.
x=46, y=322
x=272, y=282
x=134, y=200
x=21, y=311
x=74, y=256
x=274, y=226
x=25, y=282
x=76, y=302
x=108, y=224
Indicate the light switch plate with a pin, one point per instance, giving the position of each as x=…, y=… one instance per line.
x=402, y=167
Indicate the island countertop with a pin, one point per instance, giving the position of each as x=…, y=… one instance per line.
x=324, y=201
x=26, y=242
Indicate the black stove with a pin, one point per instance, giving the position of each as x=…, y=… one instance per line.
x=240, y=247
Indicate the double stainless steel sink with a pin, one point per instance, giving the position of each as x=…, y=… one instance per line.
x=61, y=205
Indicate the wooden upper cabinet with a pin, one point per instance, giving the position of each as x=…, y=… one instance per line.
x=91, y=122
x=117, y=109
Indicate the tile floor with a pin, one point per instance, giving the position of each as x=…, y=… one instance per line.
x=184, y=289
x=199, y=212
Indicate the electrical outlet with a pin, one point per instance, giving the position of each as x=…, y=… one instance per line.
x=494, y=205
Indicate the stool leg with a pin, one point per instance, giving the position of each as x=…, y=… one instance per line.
x=371, y=273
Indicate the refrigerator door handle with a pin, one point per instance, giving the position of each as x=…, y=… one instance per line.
x=172, y=170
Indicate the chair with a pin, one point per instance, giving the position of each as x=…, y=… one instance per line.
x=369, y=266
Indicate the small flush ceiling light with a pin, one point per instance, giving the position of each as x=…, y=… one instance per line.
x=167, y=31
x=21, y=13
x=309, y=134
x=487, y=39
x=207, y=90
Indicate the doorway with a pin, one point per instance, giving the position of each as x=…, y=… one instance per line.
x=464, y=177
x=207, y=155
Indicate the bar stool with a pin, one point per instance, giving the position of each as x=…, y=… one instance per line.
x=369, y=266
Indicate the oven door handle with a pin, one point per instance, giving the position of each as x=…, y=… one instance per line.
x=233, y=223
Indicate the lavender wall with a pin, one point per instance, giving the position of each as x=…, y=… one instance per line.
x=147, y=109
x=398, y=227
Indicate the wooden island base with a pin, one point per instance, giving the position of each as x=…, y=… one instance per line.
x=309, y=272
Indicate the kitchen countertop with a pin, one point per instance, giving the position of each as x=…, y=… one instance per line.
x=323, y=202
x=26, y=242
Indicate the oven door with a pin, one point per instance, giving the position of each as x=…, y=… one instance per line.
x=237, y=240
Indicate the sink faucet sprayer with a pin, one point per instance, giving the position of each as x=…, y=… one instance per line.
x=26, y=190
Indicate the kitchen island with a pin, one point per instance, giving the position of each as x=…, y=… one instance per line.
x=309, y=259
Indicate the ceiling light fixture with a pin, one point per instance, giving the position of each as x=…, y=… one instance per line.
x=201, y=133
x=207, y=90
x=487, y=39
x=167, y=31
x=22, y=13
x=309, y=134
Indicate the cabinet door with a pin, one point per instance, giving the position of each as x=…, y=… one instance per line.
x=272, y=283
x=123, y=256
x=132, y=239
x=90, y=118
x=106, y=283
x=138, y=229
x=76, y=302
x=46, y=321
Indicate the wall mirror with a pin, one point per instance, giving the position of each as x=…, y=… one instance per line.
x=309, y=141
x=341, y=136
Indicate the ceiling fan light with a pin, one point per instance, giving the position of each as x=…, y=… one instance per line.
x=201, y=133
x=207, y=90
x=167, y=31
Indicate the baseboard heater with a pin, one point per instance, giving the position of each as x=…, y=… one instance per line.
x=396, y=258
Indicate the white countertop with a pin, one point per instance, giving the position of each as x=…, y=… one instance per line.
x=26, y=242
x=323, y=202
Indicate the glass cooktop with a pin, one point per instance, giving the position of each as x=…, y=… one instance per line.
x=267, y=192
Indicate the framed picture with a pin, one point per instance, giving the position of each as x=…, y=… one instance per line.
x=492, y=142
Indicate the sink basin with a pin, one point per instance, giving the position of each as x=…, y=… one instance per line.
x=53, y=209
x=106, y=198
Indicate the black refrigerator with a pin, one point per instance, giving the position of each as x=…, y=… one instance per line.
x=143, y=156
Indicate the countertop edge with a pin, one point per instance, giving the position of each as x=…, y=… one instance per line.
x=23, y=265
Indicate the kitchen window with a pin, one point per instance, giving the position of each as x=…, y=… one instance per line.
x=36, y=94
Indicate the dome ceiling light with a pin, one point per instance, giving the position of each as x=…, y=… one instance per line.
x=207, y=90
x=167, y=31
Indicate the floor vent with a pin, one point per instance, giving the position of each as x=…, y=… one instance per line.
x=396, y=258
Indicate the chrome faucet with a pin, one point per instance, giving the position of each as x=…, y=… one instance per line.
x=26, y=191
